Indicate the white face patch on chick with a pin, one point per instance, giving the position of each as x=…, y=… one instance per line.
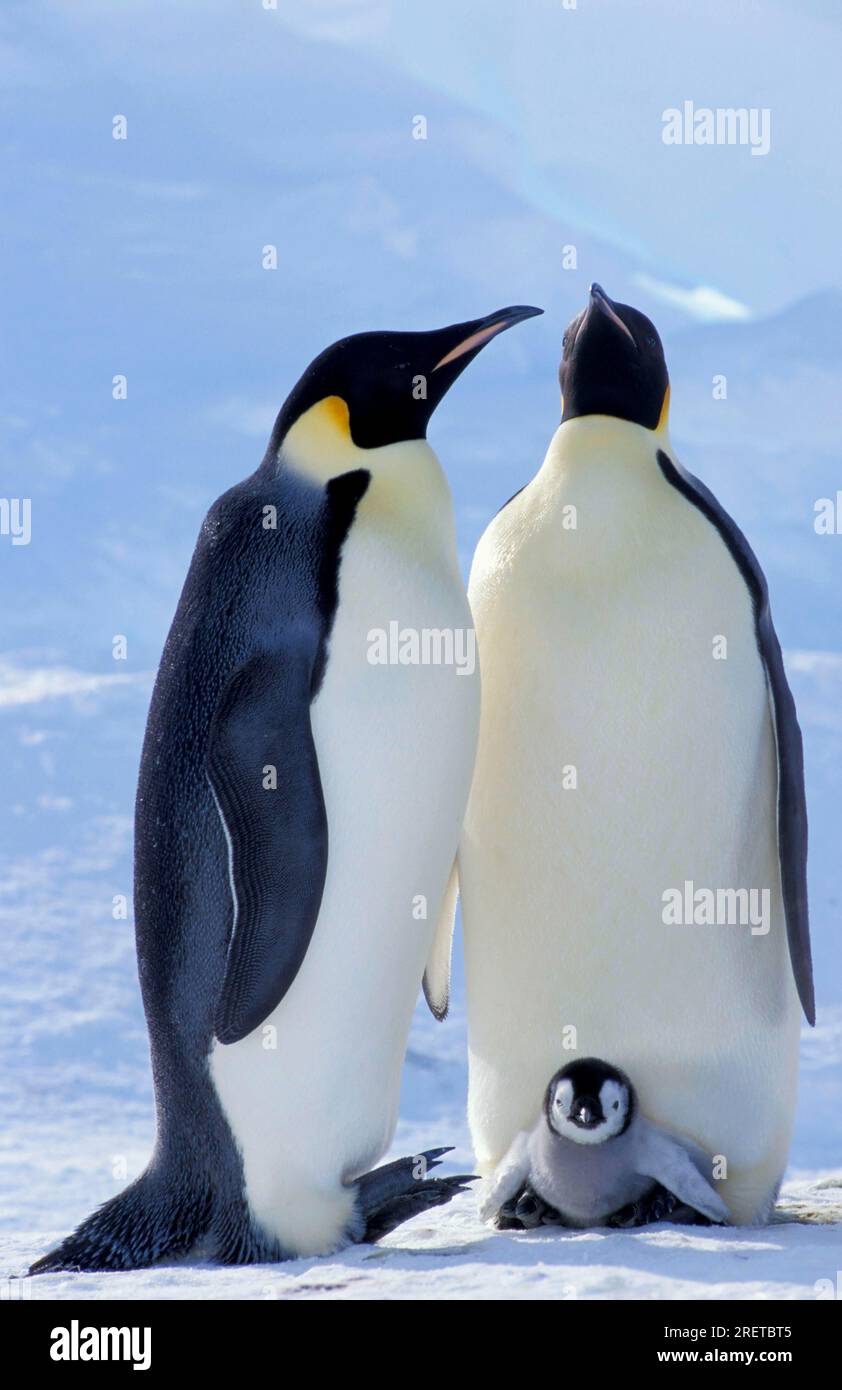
x=614, y=1099
x=587, y=1119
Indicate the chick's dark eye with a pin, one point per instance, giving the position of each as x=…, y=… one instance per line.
x=616, y=1105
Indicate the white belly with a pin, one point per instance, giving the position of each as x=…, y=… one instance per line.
x=312, y=1096
x=607, y=667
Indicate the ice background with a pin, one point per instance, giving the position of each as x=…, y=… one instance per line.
x=294, y=127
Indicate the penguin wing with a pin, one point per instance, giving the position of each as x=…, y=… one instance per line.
x=792, y=804
x=661, y=1157
x=264, y=773
x=510, y=1175
x=436, y=980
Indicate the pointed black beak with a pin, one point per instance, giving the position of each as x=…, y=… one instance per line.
x=585, y=1114
x=601, y=304
x=469, y=338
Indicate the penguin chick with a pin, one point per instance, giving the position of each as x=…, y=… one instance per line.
x=591, y=1155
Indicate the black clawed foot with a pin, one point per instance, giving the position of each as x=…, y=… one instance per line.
x=526, y=1211
x=395, y=1193
x=682, y=1215
x=655, y=1205
x=436, y=1192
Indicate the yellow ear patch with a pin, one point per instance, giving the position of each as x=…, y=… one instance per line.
x=665, y=412
x=319, y=444
x=335, y=411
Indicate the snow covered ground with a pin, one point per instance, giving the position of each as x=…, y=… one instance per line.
x=83, y=1123
x=454, y=1257
x=76, y=1101
x=144, y=258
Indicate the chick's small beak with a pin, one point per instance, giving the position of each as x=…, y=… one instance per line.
x=585, y=1113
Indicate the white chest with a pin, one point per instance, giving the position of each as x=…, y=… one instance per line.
x=312, y=1096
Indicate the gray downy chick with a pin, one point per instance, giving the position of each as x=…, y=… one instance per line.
x=591, y=1155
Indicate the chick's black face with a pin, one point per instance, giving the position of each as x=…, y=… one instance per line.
x=392, y=382
x=589, y=1102
x=613, y=364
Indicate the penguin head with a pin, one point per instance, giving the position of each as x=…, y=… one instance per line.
x=378, y=389
x=613, y=364
x=589, y=1102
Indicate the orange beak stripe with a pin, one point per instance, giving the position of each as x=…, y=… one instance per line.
x=474, y=341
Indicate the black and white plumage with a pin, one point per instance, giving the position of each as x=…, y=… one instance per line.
x=294, y=802
x=633, y=861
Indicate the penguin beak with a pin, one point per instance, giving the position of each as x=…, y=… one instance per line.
x=472, y=336
x=585, y=1114
x=601, y=304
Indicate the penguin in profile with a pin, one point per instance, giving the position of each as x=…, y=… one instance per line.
x=591, y=1159
x=296, y=803
x=638, y=740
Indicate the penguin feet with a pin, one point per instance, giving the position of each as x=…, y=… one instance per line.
x=657, y=1205
x=388, y=1196
x=525, y=1211
x=682, y=1215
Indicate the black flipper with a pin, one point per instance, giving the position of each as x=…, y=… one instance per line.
x=263, y=769
x=393, y=1194
x=792, y=804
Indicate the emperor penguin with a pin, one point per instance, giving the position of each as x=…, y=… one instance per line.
x=298, y=813
x=633, y=862
x=592, y=1159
